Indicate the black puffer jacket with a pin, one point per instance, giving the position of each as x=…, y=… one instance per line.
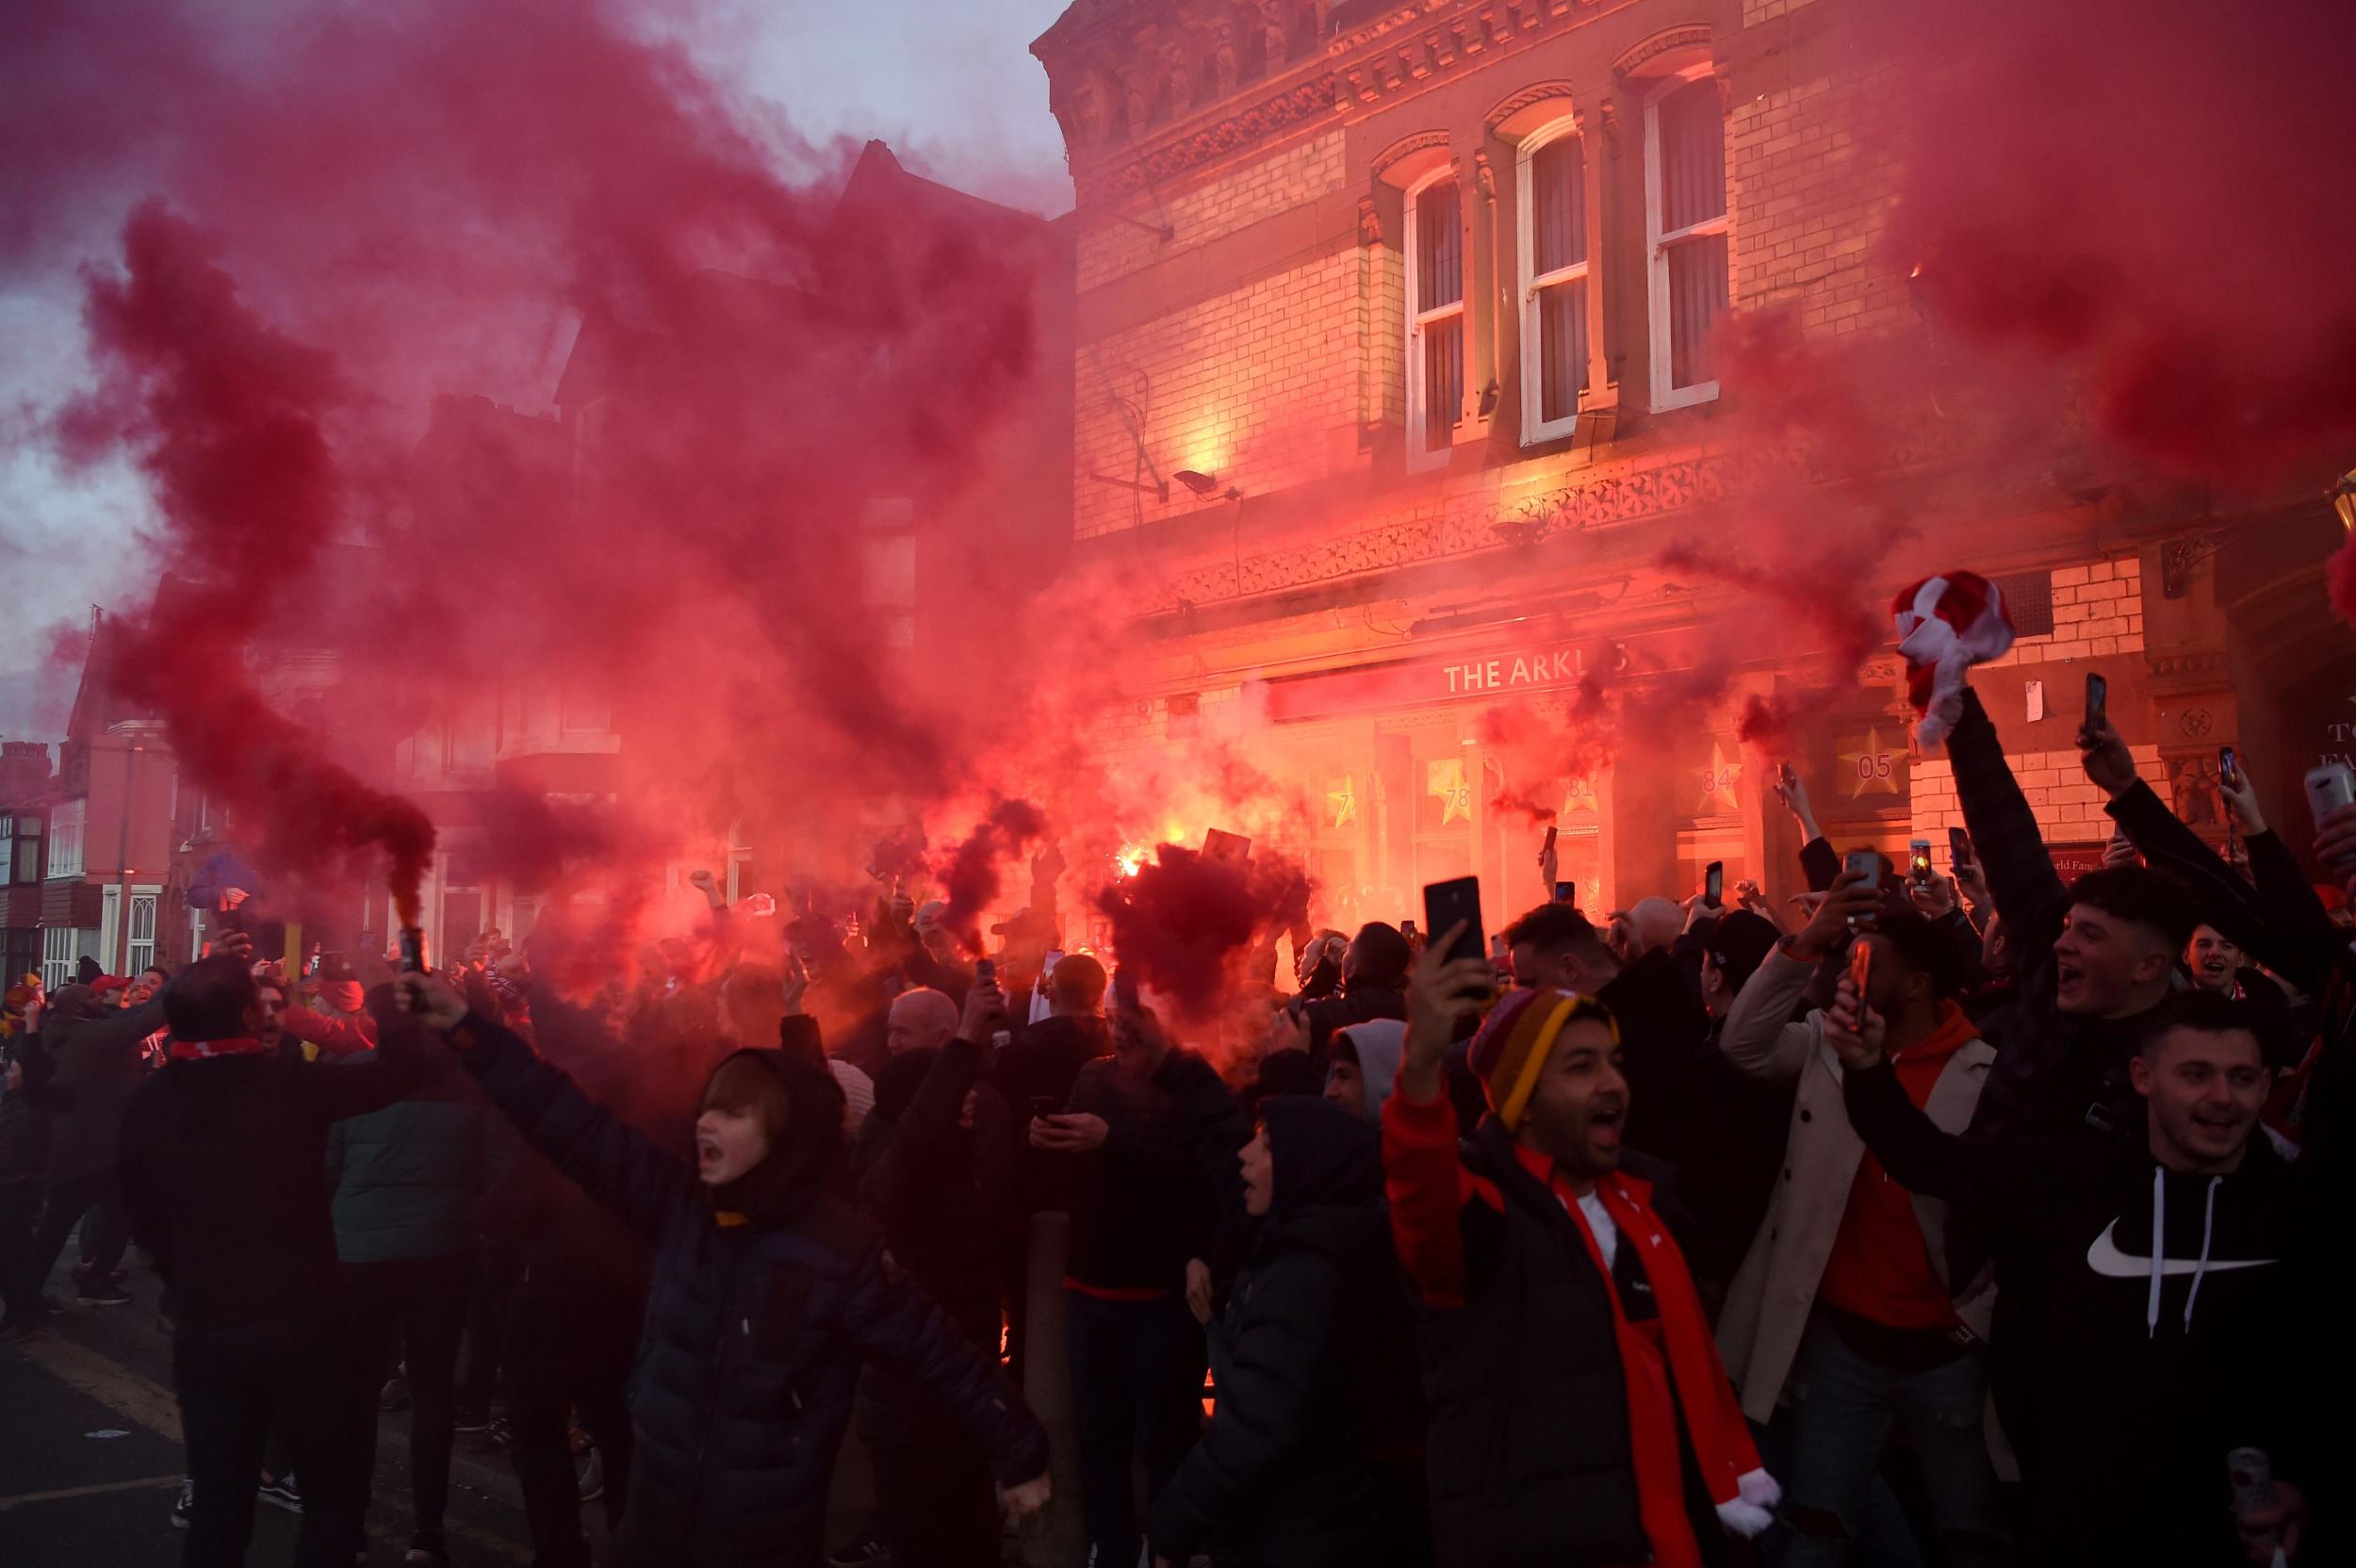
x=760, y=1316
x=1281, y=1476
x=940, y=1189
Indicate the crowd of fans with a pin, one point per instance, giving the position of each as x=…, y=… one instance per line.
x=1967, y=1217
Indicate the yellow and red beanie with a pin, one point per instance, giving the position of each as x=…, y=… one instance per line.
x=1510, y=1050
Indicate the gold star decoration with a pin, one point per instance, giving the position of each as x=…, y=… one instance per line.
x=1718, y=783
x=1445, y=781
x=1343, y=797
x=1578, y=796
x=1870, y=767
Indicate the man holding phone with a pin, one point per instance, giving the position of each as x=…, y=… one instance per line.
x=1840, y=1320
x=1556, y=1305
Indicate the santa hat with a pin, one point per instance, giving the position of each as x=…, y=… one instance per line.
x=1946, y=624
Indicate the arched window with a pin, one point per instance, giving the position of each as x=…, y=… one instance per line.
x=1435, y=316
x=1551, y=185
x=1685, y=222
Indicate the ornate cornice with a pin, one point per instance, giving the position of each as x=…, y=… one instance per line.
x=1482, y=522
x=1537, y=92
x=1398, y=53
x=1407, y=147
x=1660, y=44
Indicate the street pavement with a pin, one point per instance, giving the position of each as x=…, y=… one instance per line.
x=90, y=1461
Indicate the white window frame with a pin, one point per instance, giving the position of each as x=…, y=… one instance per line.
x=1418, y=455
x=1534, y=427
x=62, y=949
x=110, y=925
x=1657, y=247
x=138, y=952
x=67, y=820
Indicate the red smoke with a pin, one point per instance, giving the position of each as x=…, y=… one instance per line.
x=1186, y=923
x=222, y=412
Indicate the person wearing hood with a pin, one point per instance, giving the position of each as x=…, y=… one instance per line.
x=936, y=1169
x=769, y=1292
x=1363, y=1066
x=1281, y=1475
x=1374, y=975
x=96, y=1050
x=2183, y=1278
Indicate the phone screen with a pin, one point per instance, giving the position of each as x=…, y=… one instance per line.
x=2225, y=766
x=985, y=972
x=1861, y=966
x=1958, y=846
x=2098, y=696
x=1566, y=892
x=1919, y=860
x=1445, y=904
x=1714, y=884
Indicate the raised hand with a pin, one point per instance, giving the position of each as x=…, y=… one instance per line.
x=1440, y=996
x=1853, y=1029
x=1854, y=897
x=2108, y=762
x=431, y=997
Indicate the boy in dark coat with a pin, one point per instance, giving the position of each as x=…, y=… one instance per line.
x=768, y=1293
x=1281, y=1476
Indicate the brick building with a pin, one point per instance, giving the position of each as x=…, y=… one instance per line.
x=1397, y=339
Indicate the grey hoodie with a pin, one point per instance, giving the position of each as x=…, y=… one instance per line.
x=1379, y=1044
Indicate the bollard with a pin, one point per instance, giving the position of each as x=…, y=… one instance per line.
x=1057, y=1536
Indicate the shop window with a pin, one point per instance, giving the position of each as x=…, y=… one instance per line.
x=1552, y=182
x=1435, y=318
x=1685, y=208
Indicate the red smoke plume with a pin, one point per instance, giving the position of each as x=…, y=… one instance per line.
x=222, y=412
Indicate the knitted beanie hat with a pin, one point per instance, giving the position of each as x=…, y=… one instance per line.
x=1510, y=1050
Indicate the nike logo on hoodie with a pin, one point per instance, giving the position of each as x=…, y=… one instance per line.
x=2105, y=1259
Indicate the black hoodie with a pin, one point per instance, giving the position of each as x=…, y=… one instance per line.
x=1281, y=1473
x=2140, y=1391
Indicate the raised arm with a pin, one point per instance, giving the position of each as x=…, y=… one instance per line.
x=894, y=1322
x=609, y=1160
x=1999, y=1174
x=2021, y=877
x=1759, y=1038
x=1423, y=1176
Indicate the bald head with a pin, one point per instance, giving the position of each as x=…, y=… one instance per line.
x=1657, y=923
x=922, y=1020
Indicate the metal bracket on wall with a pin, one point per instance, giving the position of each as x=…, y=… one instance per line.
x=2178, y=557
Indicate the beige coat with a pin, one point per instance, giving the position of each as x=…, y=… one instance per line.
x=1768, y=1305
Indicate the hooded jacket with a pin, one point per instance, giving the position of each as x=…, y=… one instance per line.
x=768, y=1294
x=1380, y=1046
x=939, y=1189
x=1281, y=1475
x=2162, y=1354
